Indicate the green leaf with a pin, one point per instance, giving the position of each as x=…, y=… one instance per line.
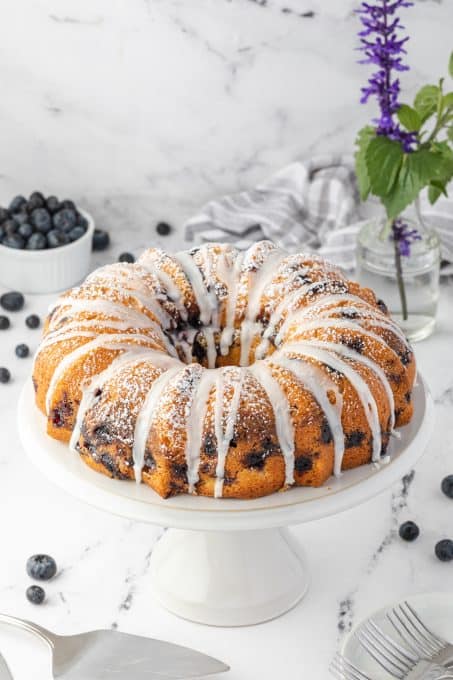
x=425, y=102
x=450, y=65
x=448, y=100
x=418, y=170
x=435, y=190
x=383, y=159
x=409, y=117
x=450, y=134
x=364, y=137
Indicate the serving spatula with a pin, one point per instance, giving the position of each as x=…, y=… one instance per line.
x=111, y=655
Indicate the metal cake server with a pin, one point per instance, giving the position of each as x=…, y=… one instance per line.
x=5, y=673
x=109, y=654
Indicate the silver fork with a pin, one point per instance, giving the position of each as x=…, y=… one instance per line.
x=343, y=669
x=396, y=660
x=418, y=637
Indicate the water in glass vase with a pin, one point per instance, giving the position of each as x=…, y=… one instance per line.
x=376, y=269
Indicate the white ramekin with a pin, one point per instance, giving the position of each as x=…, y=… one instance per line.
x=50, y=270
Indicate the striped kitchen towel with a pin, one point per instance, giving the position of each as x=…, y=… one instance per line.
x=313, y=206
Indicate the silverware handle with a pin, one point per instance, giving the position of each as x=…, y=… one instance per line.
x=30, y=627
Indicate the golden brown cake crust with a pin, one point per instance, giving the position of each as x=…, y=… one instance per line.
x=223, y=373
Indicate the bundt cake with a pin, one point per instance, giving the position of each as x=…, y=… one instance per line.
x=223, y=373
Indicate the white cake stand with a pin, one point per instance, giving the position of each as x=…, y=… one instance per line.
x=225, y=562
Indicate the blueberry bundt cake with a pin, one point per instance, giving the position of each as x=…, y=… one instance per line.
x=223, y=373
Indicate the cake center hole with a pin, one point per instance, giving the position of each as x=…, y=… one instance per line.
x=209, y=347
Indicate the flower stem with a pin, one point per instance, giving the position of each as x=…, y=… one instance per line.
x=400, y=281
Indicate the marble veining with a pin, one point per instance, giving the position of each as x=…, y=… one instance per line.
x=398, y=502
x=207, y=97
x=104, y=578
x=141, y=112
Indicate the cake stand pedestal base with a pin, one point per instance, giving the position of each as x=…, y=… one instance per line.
x=225, y=562
x=228, y=578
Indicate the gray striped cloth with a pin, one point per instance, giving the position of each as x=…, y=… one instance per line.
x=313, y=206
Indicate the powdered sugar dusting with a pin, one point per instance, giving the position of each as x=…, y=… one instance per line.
x=214, y=306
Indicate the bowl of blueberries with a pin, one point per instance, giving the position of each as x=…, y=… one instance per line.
x=45, y=244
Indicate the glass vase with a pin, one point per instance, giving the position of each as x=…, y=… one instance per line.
x=377, y=269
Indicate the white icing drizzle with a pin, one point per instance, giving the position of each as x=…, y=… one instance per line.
x=69, y=305
x=358, y=383
x=195, y=424
x=134, y=317
x=209, y=334
x=228, y=268
x=256, y=286
x=279, y=310
x=184, y=342
x=120, y=274
x=224, y=434
x=206, y=253
x=144, y=420
x=316, y=382
x=363, y=308
x=106, y=340
x=282, y=417
x=325, y=320
x=168, y=283
x=249, y=330
x=195, y=278
x=89, y=391
x=230, y=276
x=286, y=306
x=336, y=323
x=366, y=361
x=61, y=337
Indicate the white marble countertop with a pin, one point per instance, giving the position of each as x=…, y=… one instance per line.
x=142, y=115
x=356, y=559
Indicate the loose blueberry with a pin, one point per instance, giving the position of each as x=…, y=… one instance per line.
x=41, y=567
x=4, y=214
x=65, y=219
x=13, y=301
x=163, y=229
x=101, y=239
x=36, y=200
x=33, y=321
x=4, y=323
x=53, y=204
x=82, y=221
x=22, y=351
x=35, y=594
x=41, y=219
x=76, y=233
x=56, y=238
x=16, y=204
x=34, y=204
x=68, y=204
x=25, y=230
x=5, y=375
x=10, y=227
x=409, y=531
x=126, y=257
x=21, y=217
x=14, y=241
x=444, y=550
x=36, y=241
x=447, y=486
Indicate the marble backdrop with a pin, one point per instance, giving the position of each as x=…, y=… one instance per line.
x=142, y=110
x=145, y=109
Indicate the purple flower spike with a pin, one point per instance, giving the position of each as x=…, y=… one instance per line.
x=383, y=47
x=404, y=236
